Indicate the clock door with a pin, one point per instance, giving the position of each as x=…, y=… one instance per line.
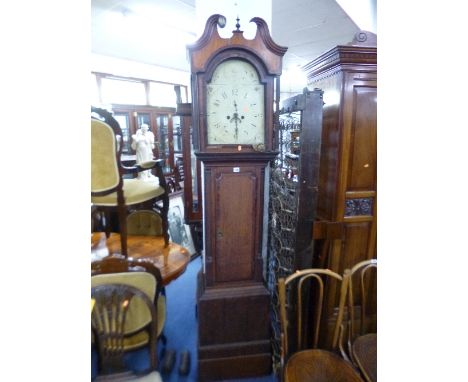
x=237, y=195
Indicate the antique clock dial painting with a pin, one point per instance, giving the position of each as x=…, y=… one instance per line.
x=235, y=105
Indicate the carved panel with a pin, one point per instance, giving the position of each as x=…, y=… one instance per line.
x=359, y=206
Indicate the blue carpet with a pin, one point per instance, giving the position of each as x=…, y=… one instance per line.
x=181, y=330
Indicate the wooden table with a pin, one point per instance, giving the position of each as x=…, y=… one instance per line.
x=171, y=261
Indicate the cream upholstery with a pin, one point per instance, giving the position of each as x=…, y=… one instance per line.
x=104, y=170
x=138, y=315
x=144, y=223
x=141, y=338
x=135, y=191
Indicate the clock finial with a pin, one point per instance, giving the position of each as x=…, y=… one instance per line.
x=237, y=24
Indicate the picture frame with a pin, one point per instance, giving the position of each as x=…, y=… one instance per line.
x=179, y=232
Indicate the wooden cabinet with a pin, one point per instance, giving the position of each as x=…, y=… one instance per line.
x=346, y=217
x=161, y=121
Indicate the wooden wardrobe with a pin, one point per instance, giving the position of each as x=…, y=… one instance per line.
x=344, y=231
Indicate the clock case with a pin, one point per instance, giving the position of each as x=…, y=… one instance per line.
x=233, y=303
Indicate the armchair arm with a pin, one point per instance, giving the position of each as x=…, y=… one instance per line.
x=160, y=173
x=155, y=163
x=147, y=165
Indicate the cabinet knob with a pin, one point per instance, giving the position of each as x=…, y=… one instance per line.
x=219, y=234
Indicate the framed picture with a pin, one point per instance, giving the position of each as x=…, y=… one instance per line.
x=178, y=231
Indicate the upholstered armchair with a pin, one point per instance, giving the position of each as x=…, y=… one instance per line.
x=110, y=190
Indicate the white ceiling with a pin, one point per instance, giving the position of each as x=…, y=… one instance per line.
x=307, y=27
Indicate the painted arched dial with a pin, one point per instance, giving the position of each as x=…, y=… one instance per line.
x=235, y=105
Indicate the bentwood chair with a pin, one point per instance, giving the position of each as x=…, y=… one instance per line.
x=360, y=322
x=109, y=189
x=138, y=273
x=301, y=300
x=111, y=314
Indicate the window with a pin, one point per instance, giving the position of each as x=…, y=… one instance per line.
x=162, y=94
x=109, y=89
x=123, y=91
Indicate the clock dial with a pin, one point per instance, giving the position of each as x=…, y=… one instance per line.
x=235, y=105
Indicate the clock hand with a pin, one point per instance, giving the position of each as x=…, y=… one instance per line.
x=236, y=119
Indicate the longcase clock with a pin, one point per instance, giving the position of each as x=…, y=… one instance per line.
x=235, y=84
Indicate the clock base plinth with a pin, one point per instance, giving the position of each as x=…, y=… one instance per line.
x=234, y=332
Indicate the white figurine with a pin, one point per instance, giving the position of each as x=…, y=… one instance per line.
x=143, y=143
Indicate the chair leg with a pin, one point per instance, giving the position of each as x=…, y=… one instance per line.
x=122, y=211
x=184, y=365
x=107, y=220
x=168, y=361
x=164, y=213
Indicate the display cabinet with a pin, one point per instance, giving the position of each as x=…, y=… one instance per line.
x=162, y=122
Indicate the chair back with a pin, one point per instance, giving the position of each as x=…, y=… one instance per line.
x=120, y=264
x=145, y=222
x=139, y=273
x=361, y=315
x=138, y=315
x=106, y=151
x=301, y=298
x=110, y=315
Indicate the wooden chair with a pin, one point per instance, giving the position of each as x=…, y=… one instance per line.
x=109, y=189
x=117, y=269
x=111, y=313
x=361, y=322
x=311, y=364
